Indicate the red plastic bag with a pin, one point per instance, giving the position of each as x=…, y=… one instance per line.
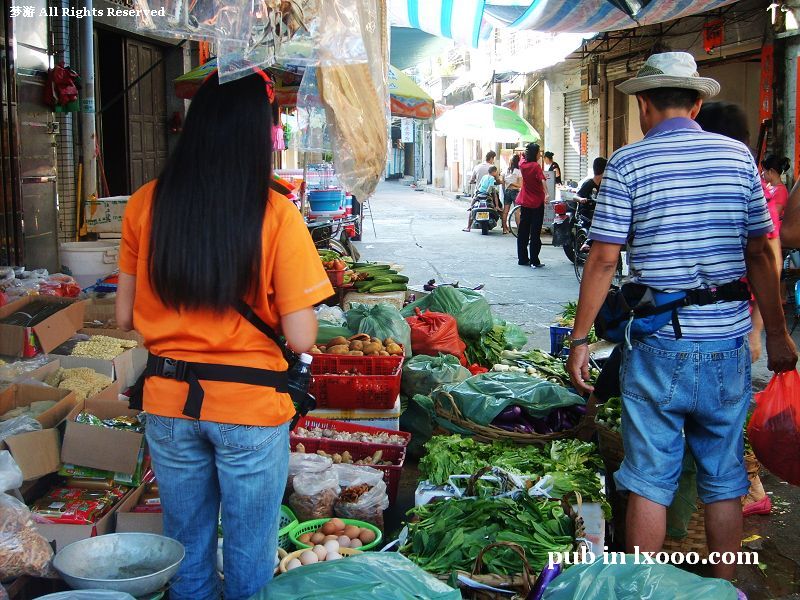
x=433, y=332
x=774, y=429
x=477, y=369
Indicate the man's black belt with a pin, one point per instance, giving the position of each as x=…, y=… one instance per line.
x=193, y=373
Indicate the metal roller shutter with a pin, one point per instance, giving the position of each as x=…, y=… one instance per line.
x=576, y=122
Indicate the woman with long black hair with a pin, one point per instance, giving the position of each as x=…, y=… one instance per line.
x=531, y=200
x=201, y=247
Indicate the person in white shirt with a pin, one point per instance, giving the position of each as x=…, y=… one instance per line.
x=482, y=169
x=513, y=183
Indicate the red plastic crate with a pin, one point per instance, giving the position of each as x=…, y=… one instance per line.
x=332, y=446
x=391, y=473
x=378, y=387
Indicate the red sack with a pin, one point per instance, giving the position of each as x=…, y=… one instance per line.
x=432, y=333
x=774, y=429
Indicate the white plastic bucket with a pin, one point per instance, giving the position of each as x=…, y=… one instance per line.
x=89, y=261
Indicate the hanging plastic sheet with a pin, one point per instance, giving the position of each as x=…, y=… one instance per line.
x=203, y=21
x=314, y=134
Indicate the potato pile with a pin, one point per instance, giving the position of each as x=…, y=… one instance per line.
x=346, y=536
x=360, y=345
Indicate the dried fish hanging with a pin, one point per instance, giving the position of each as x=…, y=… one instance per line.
x=356, y=97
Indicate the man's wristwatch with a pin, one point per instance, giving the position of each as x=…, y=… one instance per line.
x=578, y=342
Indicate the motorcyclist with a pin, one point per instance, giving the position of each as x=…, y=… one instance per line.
x=487, y=188
x=587, y=194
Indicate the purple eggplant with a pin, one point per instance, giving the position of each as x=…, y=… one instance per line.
x=579, y=408
x=510, y=414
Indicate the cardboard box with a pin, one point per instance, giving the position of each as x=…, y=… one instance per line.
x=47, y=335
x=131, y=522
x=10, y=372
x=101, y=311
x=102, y=447
x=61, y=535
x=37, y=453
x=125, y=368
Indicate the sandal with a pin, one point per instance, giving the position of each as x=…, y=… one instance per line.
x=467, y=230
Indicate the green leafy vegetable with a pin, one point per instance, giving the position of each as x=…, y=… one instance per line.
x=572, y=464
x=487, y=350
x=449, y=534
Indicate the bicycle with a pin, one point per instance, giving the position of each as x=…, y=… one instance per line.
x=513, y=219
x=582, y=256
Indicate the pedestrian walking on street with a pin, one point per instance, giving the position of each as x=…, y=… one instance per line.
x=204, y=240
x=692, y=375
x=552, y=165
x=513, y=183
x=772, y=168
x=531, y=199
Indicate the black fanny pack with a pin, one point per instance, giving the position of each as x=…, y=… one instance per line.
x=291, y=381
x=634, y=311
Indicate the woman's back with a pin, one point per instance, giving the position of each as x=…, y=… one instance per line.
x=288, y=282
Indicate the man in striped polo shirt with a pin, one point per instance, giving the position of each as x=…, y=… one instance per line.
x=690, y=207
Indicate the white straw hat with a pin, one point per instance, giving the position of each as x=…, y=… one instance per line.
x=670, y=69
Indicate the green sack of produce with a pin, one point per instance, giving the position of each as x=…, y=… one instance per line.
x=470, y=308
x=384, y=575
x=515, y=337
x=482, y=397
x=327, y=331
x=422, y=374
x=380, y=321
x=598, y=581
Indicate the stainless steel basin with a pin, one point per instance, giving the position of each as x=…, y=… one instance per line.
x=136, y=563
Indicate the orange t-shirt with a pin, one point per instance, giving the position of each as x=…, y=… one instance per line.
x=293, y=279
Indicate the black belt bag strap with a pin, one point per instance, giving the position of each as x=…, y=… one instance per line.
x=193, y=373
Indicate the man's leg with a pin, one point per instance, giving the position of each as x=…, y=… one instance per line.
x=657, y=381
x=724, y=533
x=469, y=217
x=645, y=524
x=714, y=434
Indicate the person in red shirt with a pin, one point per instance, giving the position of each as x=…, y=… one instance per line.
x=531, y=199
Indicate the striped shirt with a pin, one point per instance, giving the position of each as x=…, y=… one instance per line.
x=689, y=200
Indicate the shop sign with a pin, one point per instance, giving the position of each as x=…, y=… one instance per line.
x=407, y=130
x=713, y=34
x=765, y=86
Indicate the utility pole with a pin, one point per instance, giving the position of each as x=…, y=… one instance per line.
x=498, y=92
x=88, y=126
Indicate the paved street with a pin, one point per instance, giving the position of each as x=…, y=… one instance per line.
x=421, y=232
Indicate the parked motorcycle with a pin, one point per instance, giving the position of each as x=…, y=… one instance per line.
x=570, y=226
x=484, y=214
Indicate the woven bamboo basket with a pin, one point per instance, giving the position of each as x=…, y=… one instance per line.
x=489, y=433
x=610, y=447
x=695, y=540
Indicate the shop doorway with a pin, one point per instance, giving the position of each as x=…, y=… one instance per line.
x=132, y=154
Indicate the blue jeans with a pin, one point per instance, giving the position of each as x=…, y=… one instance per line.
x=672, y=388
x=200, y=465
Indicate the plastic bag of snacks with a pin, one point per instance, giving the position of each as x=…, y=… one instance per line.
x=305, y=463
x=363, y=495
x=314, y=495
x=22, y=550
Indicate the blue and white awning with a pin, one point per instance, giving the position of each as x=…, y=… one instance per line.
x=469, y=21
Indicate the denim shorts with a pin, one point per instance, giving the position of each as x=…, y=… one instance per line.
x=672, y=388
